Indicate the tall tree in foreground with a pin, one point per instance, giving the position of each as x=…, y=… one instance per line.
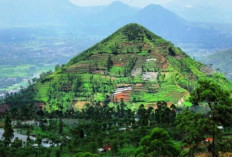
x=216, y=98
x=219, y=102
x=8, y=131
x=158, y=143
x=194, y=126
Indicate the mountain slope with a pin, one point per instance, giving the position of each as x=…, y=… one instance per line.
x=172, y=27
x=132, y=65
x=162, y=21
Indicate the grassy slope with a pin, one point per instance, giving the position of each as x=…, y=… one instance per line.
x=176, y=79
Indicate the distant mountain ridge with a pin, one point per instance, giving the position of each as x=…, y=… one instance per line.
x=104, y=20
x=206, y=11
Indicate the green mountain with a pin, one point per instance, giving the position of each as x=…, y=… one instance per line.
x=132, y=65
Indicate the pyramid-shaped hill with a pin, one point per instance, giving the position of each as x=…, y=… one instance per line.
x=132, y=65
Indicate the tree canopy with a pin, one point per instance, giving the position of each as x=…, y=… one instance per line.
x=158, y=143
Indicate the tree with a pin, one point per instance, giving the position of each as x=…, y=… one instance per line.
x=58, y=153
x=17, y=143
x=158, y=143
x=122, y=106
x=143, y=116
x=39, y=140
x=163, y=114
x=219, y=102
x=28, y=136
x=76, y=85
x=140, y=47
x=109, y=62
x=171, y=51
x=57, y=67
x=77, y=134
x=194, y=126
x=115, y=146
x=60, y=126
x=86, y=154
x=8, y=131
x=115, y=49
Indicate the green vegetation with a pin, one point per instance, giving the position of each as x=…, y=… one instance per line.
x=198, y=125
x=14, y=77
x=164, y=73
x=112, y=101
x=8, y=131
x=119, y=131
x=16, y=71
x=158, y=143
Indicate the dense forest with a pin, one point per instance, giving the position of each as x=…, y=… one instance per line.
x=157, y=132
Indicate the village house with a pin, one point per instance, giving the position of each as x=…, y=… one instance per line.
x=120, y=94
x=106, y=148
x=208, y=140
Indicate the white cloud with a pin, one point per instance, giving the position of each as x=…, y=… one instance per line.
x=137, y=3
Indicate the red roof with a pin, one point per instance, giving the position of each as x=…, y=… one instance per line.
x=107, y=148
x=209, y=139
x=125, y=96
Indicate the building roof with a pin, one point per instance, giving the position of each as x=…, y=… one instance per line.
x=209, y=139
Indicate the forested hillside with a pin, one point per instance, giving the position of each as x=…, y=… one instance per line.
x=132, y=65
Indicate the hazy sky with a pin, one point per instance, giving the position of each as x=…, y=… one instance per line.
x=192, y=10
x=137, y=3
x=218, y=4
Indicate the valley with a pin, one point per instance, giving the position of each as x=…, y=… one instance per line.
x=220, y=61
x=24, y=59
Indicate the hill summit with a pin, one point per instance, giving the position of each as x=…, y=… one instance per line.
x=129, y=39
x=133, y=66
